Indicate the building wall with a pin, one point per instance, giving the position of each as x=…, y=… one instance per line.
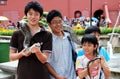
x=14, y=9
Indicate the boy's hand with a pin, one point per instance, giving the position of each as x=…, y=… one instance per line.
x=103, y=62
x=95, y=63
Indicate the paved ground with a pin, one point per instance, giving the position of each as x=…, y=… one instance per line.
x=115, y=61
x=114, y=65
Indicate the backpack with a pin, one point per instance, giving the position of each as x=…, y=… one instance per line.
x=74, y=53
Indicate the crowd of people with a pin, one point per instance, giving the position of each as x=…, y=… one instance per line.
x=53, y=57
x=98, y=19
x=7, y=25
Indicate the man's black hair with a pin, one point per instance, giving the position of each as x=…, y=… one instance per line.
x=98, y=13
x=92, y=29
x=35, y=6
x=52, y=14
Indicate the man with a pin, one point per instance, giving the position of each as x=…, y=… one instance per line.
x=61, y=57
x=31, y=64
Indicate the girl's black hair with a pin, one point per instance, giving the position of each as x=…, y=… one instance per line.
x=90, y=39
x=76, y=12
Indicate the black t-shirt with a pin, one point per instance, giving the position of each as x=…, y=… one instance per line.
x=30, y=67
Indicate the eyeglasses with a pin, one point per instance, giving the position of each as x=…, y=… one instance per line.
x=55, y=22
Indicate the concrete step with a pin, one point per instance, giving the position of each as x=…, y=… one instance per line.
x=114, y=65
x=6, y=75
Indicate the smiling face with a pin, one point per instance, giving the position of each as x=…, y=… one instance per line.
x=89, y=48
x=33, y=17
x=56, y=25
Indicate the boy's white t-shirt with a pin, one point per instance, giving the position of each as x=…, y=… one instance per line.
x=81, y=63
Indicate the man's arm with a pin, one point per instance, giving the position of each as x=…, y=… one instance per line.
x=52, y=71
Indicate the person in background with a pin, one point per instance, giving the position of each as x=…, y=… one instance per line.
x=31, y=63
x=94, y=30
x=10, y=25
x=78, y=18
x=99, y=15
x=61, y=57
x=89, y=65
x=1, y=25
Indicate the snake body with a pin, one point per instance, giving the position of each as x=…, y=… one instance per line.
x=22, y=25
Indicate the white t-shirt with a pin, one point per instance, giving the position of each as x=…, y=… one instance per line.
x=81, y=63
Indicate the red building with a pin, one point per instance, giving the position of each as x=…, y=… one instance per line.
x=14, y=9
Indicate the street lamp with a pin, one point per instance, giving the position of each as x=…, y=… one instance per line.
x=90, y=12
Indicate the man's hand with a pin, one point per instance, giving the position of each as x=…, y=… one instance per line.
x=23, y=53
x=35, y=48
x=60, y=77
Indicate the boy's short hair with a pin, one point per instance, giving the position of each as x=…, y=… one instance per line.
x=52, y=14
x=92, y=29
x=89, y=38
x=35, y=6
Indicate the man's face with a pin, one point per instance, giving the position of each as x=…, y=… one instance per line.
x=56, y=25
x=33, y=17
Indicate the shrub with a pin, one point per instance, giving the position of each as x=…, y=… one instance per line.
x=6, y=32
x=104, y=30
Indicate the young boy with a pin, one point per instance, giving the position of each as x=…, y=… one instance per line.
x=91, y=69
x=94, y=30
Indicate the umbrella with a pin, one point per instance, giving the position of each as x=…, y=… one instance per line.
x=3, y=18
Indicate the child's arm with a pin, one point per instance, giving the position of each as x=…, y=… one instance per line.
x=85, y=71
x=80, y=69
x=82, y=73
x=105, y=68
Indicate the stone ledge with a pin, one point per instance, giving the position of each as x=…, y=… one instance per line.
x=10, y=67
x=5, y=37
x=6, y=75
x=115, y=70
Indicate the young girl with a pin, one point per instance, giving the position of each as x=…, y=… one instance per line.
x=89, y=65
